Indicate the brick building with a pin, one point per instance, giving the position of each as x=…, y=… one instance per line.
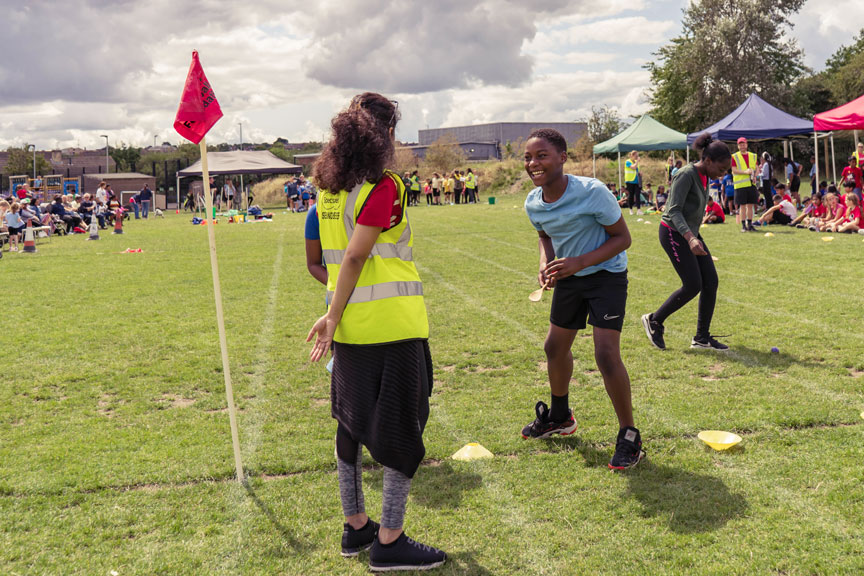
x=499, y=133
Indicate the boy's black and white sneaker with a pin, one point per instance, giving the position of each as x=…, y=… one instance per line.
x=628, y=449
x=544, y=427
x=356, y=541
x=654, y=331
x=404, y=554
x=707, y=343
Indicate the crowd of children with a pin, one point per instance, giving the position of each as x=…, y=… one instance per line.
x=458, y=187
x=300, y=194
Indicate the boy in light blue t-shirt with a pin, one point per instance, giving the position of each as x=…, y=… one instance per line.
x=583, y=238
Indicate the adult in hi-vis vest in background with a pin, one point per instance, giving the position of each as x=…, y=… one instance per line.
x=631, y=180
x=746, y=197
x=859, y=154
x=377, y=326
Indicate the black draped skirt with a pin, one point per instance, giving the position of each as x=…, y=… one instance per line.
x=380, y=395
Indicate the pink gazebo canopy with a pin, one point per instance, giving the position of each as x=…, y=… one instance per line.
x=849, y=116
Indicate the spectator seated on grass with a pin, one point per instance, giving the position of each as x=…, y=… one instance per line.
x=647, y=195
x=852, y=220
x=783, y=212
x=814, y=211
x=713, y=213
x=660, y=198
x=836, y=214
x=823, y=188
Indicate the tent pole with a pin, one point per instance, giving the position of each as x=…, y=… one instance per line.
x=243, y=192
x=178, y=194
x=825, y=155
x=594, y=165
x=855, y=138
x=620, y=182
x=833, y=161
x=688, y=153
x=816, y=164
x=791, y=151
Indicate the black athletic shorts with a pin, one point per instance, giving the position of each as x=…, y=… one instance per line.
x=781, y=217
x=747, y=195
x=600, y=297
x=795, y=184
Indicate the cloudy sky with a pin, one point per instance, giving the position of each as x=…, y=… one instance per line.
x=72, y=70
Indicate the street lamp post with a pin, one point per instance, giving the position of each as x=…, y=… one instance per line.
x=33, y=146
x=242, y=188
x=154, y=140
x=105, y=136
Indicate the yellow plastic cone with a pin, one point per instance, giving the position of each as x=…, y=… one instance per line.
x=471, y=451
x=769, y=234
x=828, y=239
x=714, y=258
x=718, y=439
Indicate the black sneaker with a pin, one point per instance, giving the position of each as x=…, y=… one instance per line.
x=356, y=541
x=654, y=330
x=708, y=343
x=404, y=554
x=543, y=427
x=628, y=449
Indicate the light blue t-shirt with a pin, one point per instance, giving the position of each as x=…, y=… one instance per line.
x=575, y=221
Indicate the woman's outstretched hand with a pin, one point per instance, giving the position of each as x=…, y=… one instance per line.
x=323, y=330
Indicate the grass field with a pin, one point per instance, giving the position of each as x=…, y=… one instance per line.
x=115, y=451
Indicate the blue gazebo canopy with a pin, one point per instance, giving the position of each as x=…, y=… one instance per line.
x=756, y=119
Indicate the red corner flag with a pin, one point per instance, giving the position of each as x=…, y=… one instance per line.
x=198, y=110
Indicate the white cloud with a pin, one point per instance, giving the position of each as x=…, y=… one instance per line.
x=823, y=26
x=117, y=66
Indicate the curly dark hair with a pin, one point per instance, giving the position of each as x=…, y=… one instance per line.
x=361, y=146
x=552, y=136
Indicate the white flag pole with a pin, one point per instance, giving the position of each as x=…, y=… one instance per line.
x=220, y=318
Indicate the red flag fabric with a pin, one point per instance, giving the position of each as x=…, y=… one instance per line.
x=198, y=110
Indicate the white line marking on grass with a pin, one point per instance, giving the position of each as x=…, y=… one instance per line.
x=483, y=306
x=262, y=345
x=488, y=261
x=250, y=430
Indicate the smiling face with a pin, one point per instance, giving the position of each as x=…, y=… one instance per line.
x=742, y=146
x=543, y=162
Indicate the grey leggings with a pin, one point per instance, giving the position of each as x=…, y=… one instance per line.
x=349, y=465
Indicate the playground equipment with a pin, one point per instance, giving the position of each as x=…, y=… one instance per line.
x=72, y=185
x=16, y=182
x=52, y=184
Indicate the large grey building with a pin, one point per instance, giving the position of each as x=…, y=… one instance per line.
x=501, y=132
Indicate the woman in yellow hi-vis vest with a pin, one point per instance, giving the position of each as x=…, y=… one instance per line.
x=746, y=196
x=859, y=154
x=376, y=324
x=631, y=180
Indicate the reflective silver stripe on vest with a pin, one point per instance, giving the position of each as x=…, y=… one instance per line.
x=382, y=291
x=348, y=217
x=405, y=253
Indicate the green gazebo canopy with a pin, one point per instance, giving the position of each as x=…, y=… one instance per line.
x=644, y=134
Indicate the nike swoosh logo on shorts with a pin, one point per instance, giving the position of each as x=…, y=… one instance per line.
x=607, y=317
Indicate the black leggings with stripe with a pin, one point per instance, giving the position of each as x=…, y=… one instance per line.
x=698, y=276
